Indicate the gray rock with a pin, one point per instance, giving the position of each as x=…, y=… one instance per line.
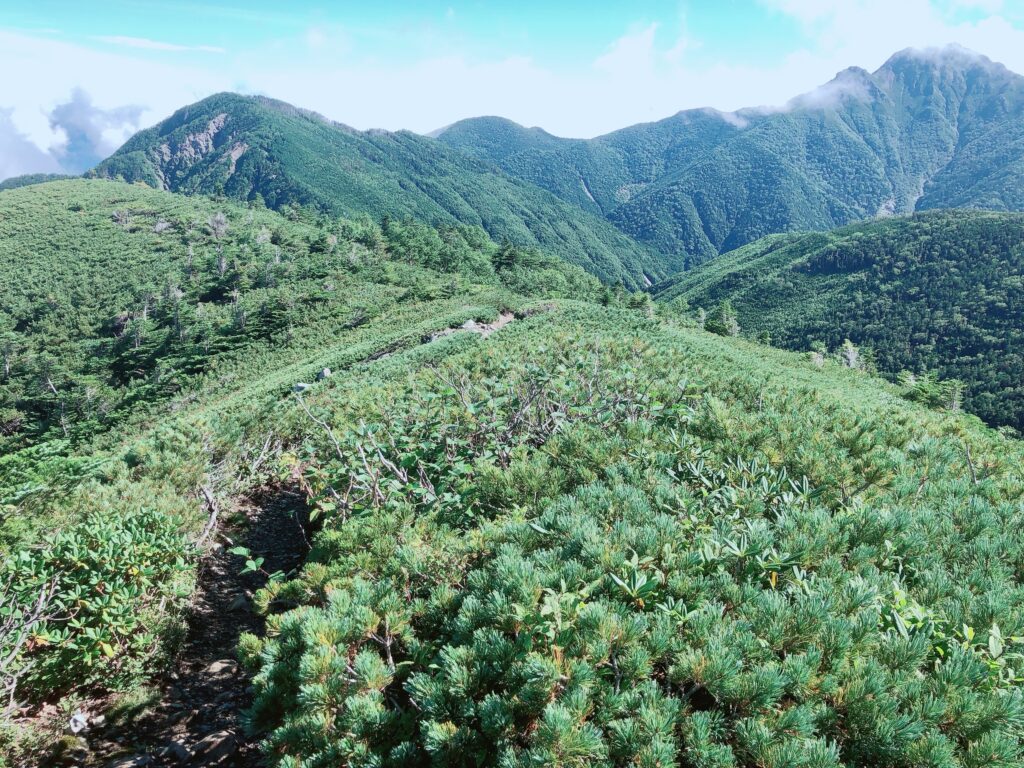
x=178, y=751
x=131, y=761
x=215, y=749
x=240, y=603
x=221, y=666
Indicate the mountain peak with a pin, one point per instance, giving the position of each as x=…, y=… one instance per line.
x=951, y=56
x=852, y=83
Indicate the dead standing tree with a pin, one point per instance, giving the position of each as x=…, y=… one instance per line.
x=17, y=628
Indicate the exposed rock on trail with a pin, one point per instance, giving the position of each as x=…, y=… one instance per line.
x=197, y=721
x=483, y=329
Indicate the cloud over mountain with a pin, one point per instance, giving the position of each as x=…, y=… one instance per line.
x=18, y=154
x=91, y=133
x=87, y=134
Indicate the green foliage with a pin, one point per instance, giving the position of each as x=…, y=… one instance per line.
x=934, y=292
x=267, y=152
x=120, y=297
x=109, y=582
x=925, y=131
x=149, y=339
x=590, y=538
x=929, y=390
x=722, y=320
x=601, y=541
x=15, y=182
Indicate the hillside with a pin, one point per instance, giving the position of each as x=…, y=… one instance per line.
x=940, y=292
x=147, y=338
x=257, y=149
x=641, y=545
x=929, y=129
x=589, y=533
x=121, y=297
x=33, y=178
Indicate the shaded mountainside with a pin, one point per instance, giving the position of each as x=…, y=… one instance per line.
x=939, y=291
x=929, y=129
x=253, y=148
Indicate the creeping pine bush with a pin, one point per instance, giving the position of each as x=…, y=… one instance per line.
x=657, y=557
x=110, y=582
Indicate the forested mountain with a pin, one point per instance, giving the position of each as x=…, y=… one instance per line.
x=258, y=149
x=939, y=292
x=929, y=129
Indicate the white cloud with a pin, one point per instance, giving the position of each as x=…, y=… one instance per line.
x=18, y=154
x=144, y=43
x=111, y=78
x=649, y=72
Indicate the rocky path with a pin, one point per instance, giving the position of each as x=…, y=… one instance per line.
x=197, y=721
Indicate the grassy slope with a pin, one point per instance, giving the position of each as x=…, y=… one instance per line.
x=116, y=313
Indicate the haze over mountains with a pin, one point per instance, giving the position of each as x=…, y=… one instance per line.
x=929, y=129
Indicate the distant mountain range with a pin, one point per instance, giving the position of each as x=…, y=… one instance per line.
x=929, y=129
x=253, y=148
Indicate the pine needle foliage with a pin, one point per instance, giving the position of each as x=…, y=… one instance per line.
x=596, y=541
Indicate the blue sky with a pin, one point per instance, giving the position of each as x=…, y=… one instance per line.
x=575, y=68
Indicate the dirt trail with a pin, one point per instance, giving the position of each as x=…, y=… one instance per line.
x=197, y=722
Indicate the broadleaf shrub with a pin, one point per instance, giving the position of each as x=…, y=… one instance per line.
x=116, y=578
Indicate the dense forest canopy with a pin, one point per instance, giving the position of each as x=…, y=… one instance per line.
x=937, y=292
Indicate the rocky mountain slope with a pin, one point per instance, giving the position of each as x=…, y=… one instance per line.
x=258, y=149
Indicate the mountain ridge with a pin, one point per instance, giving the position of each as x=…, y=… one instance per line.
x=928, y=129
x=269, y=152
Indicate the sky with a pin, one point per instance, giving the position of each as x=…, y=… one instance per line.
x=81, y=77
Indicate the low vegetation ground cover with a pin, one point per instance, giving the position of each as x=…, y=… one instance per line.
x=594, y=537
x=595, y=540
